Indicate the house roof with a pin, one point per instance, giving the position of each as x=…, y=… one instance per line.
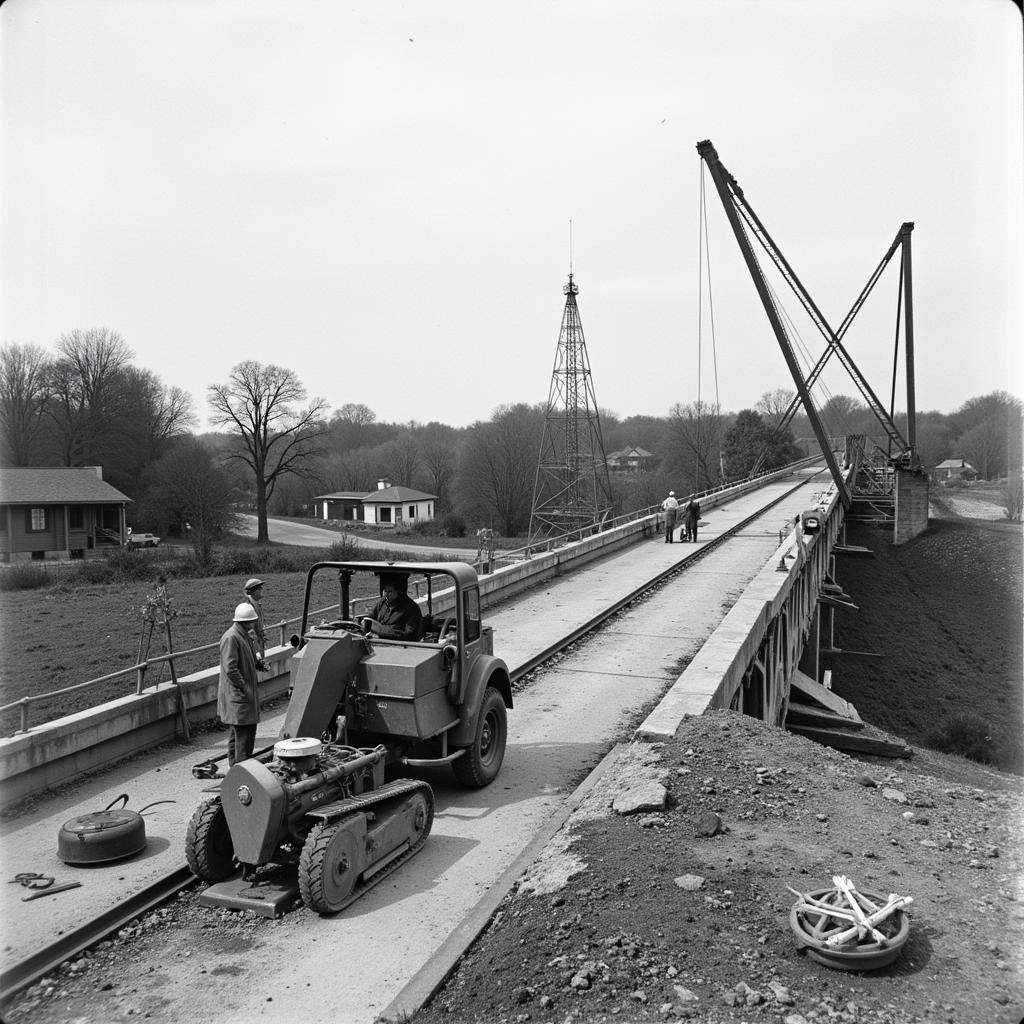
x=641, y=453
x=384, y=496
x=954, y=464
x=395, y=495
x=50, y=485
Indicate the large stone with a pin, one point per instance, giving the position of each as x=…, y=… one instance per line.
x=708, y=824
x=690, y=882
x=645, y=796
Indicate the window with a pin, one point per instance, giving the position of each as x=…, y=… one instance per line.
x=471, y=608
x=430, y=510
x=35, y=520
x=385, y=514
x=412, y=511
x=76, y=517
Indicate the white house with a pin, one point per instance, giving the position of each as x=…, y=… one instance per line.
x=386, y=506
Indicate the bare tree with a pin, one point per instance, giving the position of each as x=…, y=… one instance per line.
x=261, y=405
x=402, y=458
x=439, y=458
x=87, y=393
x=24, y=389
x=498, y=467
x=694, y=438
x=772, y=405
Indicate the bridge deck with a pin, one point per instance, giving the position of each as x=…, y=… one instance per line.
x=526, y=624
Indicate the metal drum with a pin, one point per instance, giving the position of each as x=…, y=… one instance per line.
x=103, y=836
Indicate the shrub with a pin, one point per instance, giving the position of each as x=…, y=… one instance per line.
x=453, y=525
x=24, y=576
x=967, y=735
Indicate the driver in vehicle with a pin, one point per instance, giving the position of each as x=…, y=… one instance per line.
x=396, y=616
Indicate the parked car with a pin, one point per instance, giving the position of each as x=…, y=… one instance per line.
x=143, y=540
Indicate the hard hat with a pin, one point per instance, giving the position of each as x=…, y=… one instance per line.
x=671, y=494
x=252, y=584
x=245, y=613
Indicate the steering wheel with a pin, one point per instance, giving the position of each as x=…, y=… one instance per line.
x=348, y=624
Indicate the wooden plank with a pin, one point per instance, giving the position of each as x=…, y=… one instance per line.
x=842, y=739
x=850, y=654
x=807, y=714
x=836, y=602
x=852, y=549
x=813, y=692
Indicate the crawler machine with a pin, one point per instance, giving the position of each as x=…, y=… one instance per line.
x=329, y=797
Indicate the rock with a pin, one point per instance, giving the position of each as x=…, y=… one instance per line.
x=865, y=780
x=691, y=883
x=781, y=993
x=647, y=796
x=708, y=824
x=684, y=995
x=652, y=821
x=895, y=795
x=580, y=982
x=546, y=1002
x=524, y=995
x=639, y=996
x=794, y=1018
x=991, y=851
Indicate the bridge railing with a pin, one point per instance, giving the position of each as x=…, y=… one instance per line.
x=550, y=543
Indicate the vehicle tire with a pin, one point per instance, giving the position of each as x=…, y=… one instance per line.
x=480, y=764
x=209, y=849
x=329, y=866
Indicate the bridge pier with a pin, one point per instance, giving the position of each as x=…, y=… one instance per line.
x=911, y=487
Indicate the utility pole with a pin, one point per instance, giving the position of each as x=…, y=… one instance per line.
x=572, y=490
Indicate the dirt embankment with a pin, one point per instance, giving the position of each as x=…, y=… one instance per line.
x=645, y=917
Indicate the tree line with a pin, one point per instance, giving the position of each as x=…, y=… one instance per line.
x=276, y=447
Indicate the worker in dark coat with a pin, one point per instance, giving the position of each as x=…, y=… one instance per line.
x=396, y=616
x=238, y=703
x=692, y=517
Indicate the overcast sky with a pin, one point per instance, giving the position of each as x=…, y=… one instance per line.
x=378, y=194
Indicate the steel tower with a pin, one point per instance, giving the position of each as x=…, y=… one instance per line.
x=572, y=490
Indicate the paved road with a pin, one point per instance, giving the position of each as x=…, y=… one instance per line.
x=309, y=536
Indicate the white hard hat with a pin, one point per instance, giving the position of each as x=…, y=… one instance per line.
x=671, y=494
x=245, y=613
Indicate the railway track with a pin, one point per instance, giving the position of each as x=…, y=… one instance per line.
x=26, y=972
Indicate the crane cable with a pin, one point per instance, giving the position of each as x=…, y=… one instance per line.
x=704, y=255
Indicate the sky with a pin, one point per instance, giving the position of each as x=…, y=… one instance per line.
x=378, y=195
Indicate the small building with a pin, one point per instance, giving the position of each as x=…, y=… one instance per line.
x=630, y=460
x=386, y=506
x=58, y=512
x=397, y=506
x=955, y=470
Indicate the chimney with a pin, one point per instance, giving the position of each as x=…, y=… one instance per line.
x=383, y=484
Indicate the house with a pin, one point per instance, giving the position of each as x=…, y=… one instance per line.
x=953, y=470
x=386, y=506
x=58, y=512
x=630, y=460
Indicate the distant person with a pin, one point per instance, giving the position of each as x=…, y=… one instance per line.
x=238, y=703
x=671, y=507
x=396, y=616
x=254, y=595
x=692, y=519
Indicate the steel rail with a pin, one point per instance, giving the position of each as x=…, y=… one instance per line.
x=30, y=970
x=617, y=606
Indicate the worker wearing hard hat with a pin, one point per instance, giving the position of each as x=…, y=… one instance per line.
x=670, y=506
x=254, y=595
x=238, y=702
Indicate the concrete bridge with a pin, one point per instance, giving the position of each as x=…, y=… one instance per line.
x=771, y=638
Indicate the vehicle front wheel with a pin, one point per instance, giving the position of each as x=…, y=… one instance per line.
x=209, y=849
x=480, y=764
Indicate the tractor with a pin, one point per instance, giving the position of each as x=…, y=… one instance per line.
x=329, y=798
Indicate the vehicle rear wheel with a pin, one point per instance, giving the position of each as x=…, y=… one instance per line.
x=329, y=866
x=480, y=764
x=209, y=849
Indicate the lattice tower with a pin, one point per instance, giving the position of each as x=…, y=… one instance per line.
x=572, y=489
